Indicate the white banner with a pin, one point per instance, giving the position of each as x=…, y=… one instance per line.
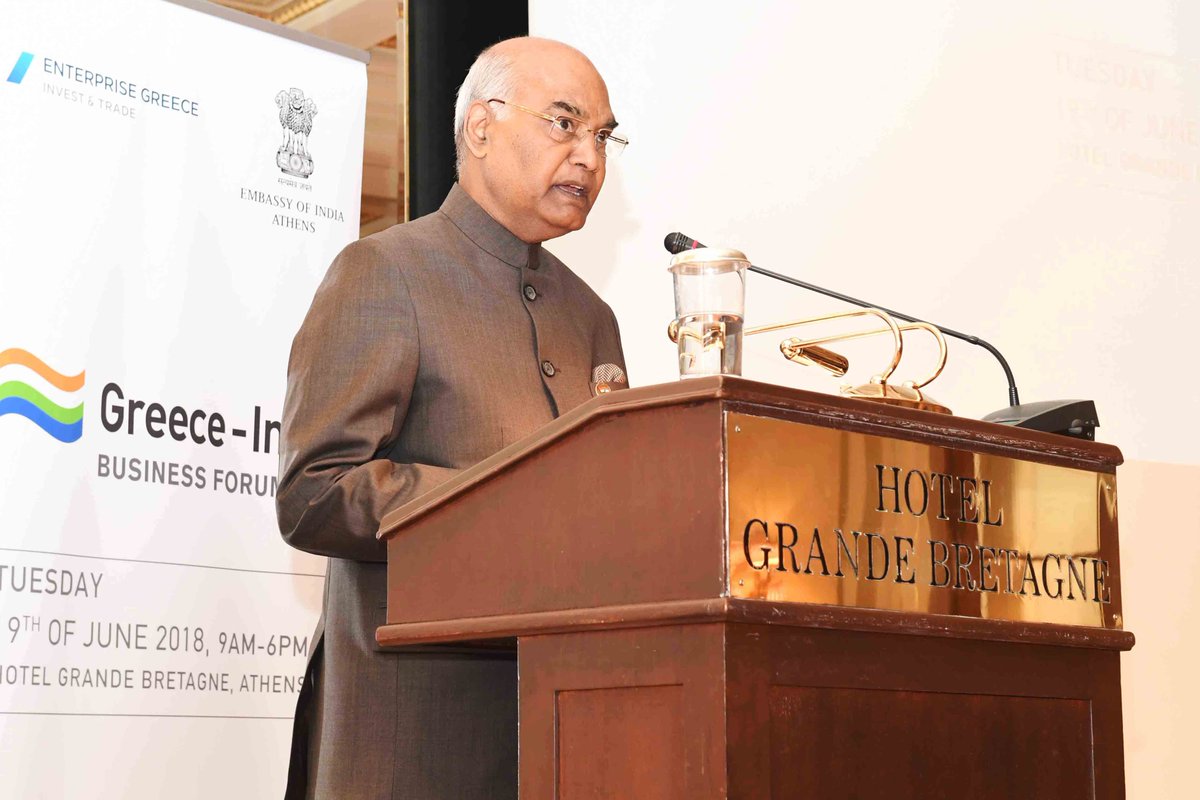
x=172, y=187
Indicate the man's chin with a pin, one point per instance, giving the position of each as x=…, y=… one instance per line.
x=566, y=222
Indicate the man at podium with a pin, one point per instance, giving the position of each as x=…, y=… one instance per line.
x=428, y=347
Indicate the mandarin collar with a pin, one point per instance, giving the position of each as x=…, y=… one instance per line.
x=482, y=229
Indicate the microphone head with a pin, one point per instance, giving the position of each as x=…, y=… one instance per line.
x=676, y=243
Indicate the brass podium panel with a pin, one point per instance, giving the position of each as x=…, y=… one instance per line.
x=821, y=515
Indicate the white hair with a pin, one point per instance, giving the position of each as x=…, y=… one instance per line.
x=491, y=76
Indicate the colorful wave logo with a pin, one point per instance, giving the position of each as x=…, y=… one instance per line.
x=18, y=397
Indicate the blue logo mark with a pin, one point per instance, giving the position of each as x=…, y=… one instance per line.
x=18, y=71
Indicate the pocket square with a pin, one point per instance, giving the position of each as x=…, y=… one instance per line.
x=606, y=378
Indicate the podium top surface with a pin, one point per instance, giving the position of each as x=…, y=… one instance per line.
x=769, y=400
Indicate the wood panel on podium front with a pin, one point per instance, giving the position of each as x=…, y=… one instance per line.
x=720, y=588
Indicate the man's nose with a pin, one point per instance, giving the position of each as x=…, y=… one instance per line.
x=585, y=153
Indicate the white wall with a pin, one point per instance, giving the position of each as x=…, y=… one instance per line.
x=1026, y=171
x=928, y=156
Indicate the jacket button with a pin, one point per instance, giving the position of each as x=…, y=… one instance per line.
x=530, y=292
x=548, y=369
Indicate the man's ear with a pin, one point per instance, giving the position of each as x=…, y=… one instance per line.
x=479, y=116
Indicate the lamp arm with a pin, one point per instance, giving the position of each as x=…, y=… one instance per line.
x=892, y=327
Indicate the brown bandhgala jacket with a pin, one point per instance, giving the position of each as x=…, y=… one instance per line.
x=428, y=347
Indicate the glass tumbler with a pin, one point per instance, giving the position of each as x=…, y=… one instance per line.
x=710, y=299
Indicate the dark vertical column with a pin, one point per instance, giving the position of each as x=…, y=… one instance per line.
x=444, y=36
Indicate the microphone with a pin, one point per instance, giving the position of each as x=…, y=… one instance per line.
x=676, y=243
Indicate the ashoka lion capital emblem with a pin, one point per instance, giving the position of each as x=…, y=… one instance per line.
x=296, y=114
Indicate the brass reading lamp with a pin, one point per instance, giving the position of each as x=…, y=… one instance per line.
x=811, y=352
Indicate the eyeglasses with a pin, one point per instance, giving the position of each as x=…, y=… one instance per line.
x=564, y=129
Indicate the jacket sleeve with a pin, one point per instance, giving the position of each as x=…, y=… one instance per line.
x=350, y=379
x=609, y=349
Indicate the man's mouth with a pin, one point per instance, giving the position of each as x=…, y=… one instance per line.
x=573, y=189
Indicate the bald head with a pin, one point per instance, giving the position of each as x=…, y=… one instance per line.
x=536, y=176
x=534, y=49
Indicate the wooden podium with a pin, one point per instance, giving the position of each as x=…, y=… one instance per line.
x=719, y=588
